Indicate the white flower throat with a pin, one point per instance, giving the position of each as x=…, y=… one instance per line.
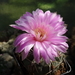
x=40, y=34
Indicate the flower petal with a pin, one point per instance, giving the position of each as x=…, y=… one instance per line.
x=48, y=50
x=22, y=37
x=22, y=46
x=36, y=53
x=47, y=17
x=61, y=48
x=43, y=52
x=27, y=14
x=26, y=50
x=20, y=27
x=59, y=39
x=40, y=14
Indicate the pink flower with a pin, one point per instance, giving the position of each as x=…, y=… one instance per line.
x=44, y=33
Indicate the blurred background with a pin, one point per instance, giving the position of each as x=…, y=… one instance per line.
x=11, y=10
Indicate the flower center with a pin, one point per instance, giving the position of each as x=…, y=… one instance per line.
x=40, y=34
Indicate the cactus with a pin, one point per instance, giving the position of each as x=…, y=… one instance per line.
x=29, y=67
